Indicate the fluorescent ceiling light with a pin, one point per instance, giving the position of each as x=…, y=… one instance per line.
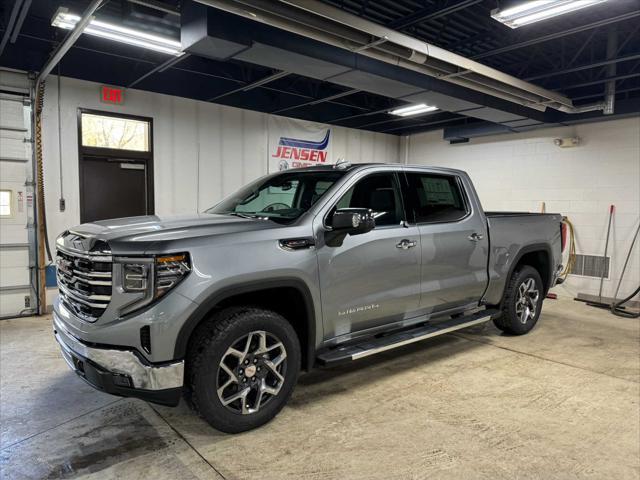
x=66, y=20
x=412, y=110
x=536, y=10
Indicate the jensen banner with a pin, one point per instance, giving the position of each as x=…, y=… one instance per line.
x=294, y=144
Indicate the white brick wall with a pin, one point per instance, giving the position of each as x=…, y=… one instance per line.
x=520, y=171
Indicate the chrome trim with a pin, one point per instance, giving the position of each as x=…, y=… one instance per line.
x=86, y=299
x=147, y=377
x=86, y=281
x=80, y=289
x=87, y=256
x=384, y=348
x=93, y=274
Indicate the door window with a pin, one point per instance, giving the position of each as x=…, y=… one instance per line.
x=436, y=198
x=5, y=203
x=378, y=192
x=121, y=133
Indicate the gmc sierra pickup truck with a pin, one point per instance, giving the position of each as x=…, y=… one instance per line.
x=300, y=268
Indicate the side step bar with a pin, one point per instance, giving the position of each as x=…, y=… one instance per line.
x=380, y=344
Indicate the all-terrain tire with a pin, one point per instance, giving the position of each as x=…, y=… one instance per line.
x=515, y=319
x=213, y=341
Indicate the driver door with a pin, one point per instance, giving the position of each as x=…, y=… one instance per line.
x=370, y=279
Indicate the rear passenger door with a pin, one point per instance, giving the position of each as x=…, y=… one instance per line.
x=453, y=240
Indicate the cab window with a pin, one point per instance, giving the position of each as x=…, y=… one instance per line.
x=436, y=198
x=378, y=192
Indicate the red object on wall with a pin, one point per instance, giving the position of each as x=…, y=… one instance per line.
x=111, y=95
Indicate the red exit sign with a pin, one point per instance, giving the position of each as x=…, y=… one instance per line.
x=111, y=95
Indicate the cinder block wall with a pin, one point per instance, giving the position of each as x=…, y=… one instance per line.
x=520, y=171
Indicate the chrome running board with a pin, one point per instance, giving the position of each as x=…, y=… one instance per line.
x=404, y=337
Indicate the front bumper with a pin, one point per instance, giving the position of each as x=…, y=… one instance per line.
x=120, y=372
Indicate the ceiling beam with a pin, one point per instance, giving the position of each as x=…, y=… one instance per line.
x=20, y=21
x=597, y=82
x=563, y=33
x=160, y=68
x=394, y=118
x=10, y=24
x=69, y=40
x=366, y=114
x=601, y=94
x=318, y=101
x=423, y=124
x=250, y=86
x=586, y=67
x=428, y=13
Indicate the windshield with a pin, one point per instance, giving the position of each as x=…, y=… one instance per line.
x=282, y=197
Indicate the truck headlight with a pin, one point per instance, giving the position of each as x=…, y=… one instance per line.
x=135, y=277
x=152, y=277
x=169, y=272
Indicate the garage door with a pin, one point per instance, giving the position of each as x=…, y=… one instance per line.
x=17, y=296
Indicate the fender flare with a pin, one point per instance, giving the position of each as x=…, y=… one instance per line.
x=535, y=247
x=219, y=296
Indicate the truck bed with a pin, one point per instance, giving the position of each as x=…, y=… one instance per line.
x=516, y=214
x=512, y=234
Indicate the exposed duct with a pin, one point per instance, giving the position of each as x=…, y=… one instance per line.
x=610, y=86
x=329, y=25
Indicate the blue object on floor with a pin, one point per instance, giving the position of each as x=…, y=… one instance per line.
x=50, y=273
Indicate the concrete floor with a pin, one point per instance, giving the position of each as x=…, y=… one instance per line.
x=559, y=403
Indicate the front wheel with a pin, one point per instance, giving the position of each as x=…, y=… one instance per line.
x=242, y=368
x=522, y=302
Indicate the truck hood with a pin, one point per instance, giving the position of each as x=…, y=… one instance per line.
x=154, y=228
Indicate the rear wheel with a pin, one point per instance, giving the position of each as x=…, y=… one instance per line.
x=522, y=302
x=243, y=367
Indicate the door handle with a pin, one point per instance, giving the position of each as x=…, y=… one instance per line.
x=475, y=237
x=406, y=244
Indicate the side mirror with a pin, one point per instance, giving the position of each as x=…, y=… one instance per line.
x=354, y=221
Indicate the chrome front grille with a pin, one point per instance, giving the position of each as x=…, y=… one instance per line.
x=84, y=282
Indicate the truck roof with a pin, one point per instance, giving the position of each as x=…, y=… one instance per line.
x=354, y=166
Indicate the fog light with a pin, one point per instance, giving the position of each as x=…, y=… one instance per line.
x=121, y=380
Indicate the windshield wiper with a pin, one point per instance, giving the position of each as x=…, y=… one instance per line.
x=242, y=215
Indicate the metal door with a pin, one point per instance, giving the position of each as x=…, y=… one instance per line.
x=374, y=278
x=112, y=188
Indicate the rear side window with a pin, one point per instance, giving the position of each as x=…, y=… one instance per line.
x=436, y=198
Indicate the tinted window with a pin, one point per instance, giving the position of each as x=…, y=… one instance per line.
x=378, y=192
x=282, y=197
x=436, y=198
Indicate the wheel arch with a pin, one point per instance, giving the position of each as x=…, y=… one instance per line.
x=266, y=294
x=538, y=256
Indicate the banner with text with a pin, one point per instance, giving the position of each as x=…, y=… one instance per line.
x=295, y=144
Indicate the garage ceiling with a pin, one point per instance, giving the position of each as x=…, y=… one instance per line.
x=567, y=54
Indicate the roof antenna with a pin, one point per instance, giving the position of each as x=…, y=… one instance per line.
x=341, y=164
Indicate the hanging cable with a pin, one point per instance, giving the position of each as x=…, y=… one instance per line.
x=571, y=259
x=616, y=306
x=40, y=166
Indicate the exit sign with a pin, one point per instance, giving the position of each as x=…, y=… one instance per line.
x=111, y=95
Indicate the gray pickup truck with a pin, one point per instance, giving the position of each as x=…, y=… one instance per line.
x=300, y=268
